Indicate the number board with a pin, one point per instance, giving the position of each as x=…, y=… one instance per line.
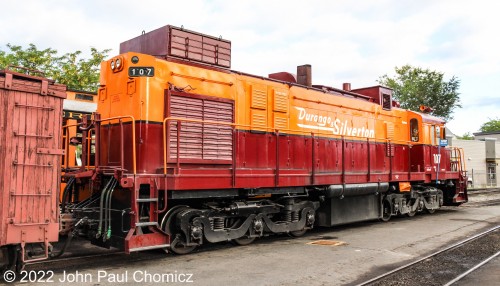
x=141, y=71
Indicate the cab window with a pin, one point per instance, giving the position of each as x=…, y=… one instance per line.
x=414, y=132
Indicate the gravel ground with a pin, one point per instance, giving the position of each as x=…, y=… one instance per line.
x=444, y=267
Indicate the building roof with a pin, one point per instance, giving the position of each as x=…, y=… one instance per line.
x=486, y=133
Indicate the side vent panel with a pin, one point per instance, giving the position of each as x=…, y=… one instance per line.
x=280, y=109
x=201, y=141
x=258, y=107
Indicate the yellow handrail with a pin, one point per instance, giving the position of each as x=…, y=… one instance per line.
x=66, y=146
x=267, y=128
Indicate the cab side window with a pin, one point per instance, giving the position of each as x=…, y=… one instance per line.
x=414, y=132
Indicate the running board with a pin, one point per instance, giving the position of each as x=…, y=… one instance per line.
x=138, y=241
x=149, y=223
x=149, y=247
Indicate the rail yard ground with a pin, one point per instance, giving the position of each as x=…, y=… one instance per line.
x=345, y=255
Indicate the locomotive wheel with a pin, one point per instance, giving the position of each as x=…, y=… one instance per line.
x=410, y=204
x=430, y=211
x=297, y=233
x=386, y=211
x=309, y=222
x=168, y=222
x=243, y=240
x=411, y=213
x=178, y=245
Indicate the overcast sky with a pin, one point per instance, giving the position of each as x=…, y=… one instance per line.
x=344, y=41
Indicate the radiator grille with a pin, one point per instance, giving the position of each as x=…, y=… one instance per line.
x=201, y=140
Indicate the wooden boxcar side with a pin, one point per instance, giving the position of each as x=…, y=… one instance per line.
x=30, y=148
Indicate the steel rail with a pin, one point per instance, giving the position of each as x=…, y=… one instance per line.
x=76, y=257
x=484, y=203
x=380, y=277
x=479, y=265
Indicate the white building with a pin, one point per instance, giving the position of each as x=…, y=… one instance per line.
x=482, y=156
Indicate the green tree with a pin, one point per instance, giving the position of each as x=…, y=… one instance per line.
x=79, y=73
x=69, y=69
x=414, y=86
x=31, y=58
x=466, y=136
x=491, y=126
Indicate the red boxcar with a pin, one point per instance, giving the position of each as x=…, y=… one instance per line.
x=30, y=139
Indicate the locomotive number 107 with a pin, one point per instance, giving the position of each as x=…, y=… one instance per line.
x=141, y=71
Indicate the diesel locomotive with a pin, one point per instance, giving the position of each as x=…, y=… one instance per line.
x=188, y=152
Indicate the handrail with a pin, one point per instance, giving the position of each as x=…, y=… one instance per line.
x=134, y=163
x=461, y=157
x=344, y=106
x=303, y=132
x=66, y=146
x=269, y=129
x=457, y=153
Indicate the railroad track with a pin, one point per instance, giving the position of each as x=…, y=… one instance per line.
x=482, y=203
x=445, y=266
x=85, y=260
x=480, y=198
x=483, y=191
x=80, y=260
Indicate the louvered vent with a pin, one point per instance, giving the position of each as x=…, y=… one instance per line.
x=201, y=141
x=280, y=101
x=280, y=123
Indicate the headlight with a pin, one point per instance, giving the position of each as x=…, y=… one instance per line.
x=112, y=65
x=118, y=63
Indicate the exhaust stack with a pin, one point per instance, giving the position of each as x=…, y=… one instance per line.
x=346, y=86
x=304, y=76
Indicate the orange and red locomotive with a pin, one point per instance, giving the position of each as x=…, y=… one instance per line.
x=190, y=151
